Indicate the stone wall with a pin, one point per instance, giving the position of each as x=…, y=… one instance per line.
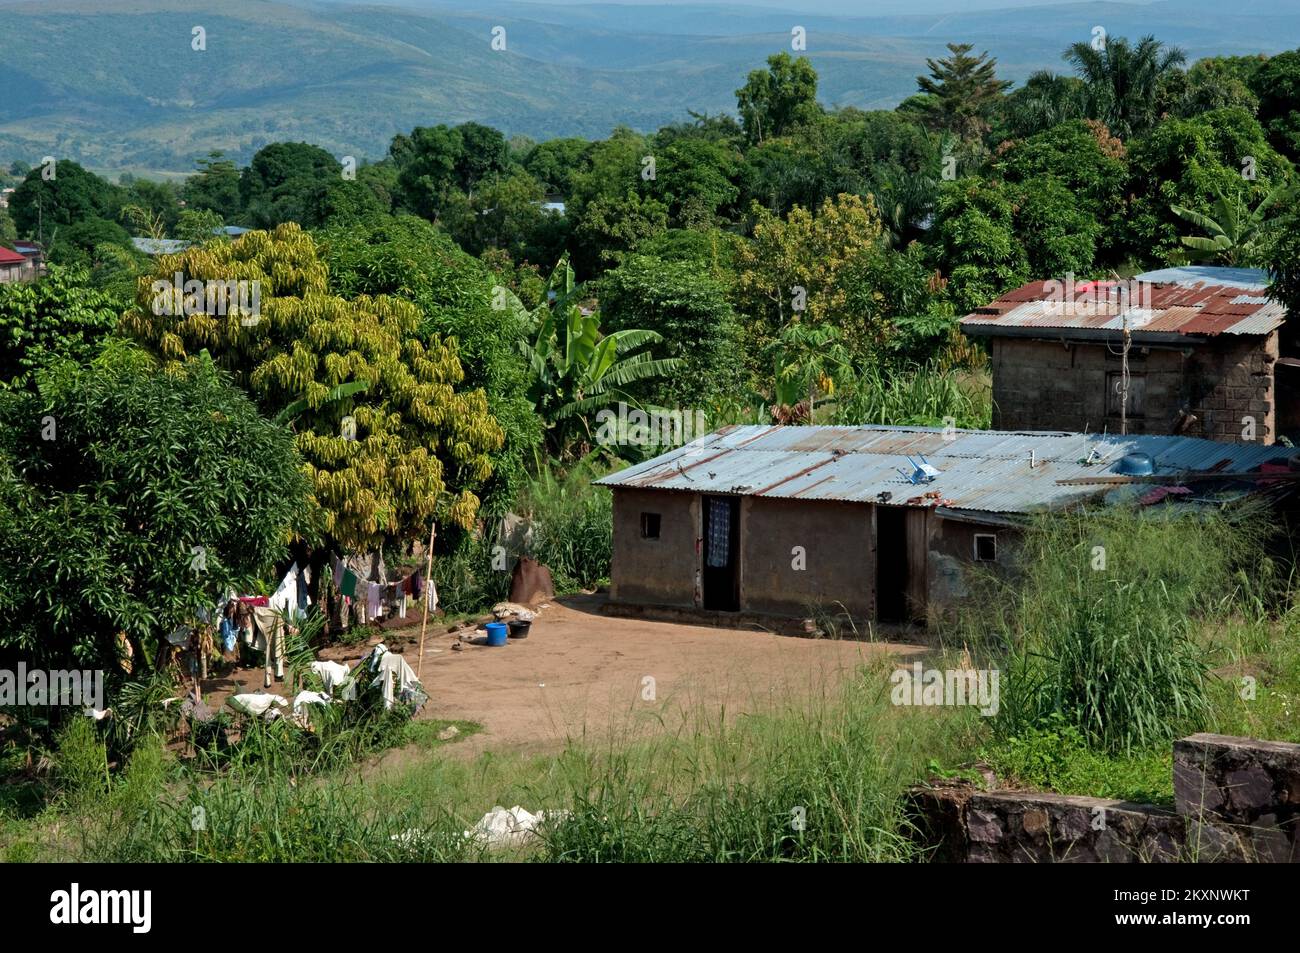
x=1060, y=385
x=1251, y=787
x=1236, y=799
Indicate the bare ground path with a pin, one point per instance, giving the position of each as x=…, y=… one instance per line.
x=581, y=672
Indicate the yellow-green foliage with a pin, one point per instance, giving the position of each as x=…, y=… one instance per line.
x=420, y=446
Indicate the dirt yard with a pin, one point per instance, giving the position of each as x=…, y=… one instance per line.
x=580, y=671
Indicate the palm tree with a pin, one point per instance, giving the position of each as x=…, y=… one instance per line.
x=1234, y=234
x=1044, y=101
x=809, y=359
x=1123, y=80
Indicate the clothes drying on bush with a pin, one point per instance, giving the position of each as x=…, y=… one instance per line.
x=257, y=705
x=332, y=674
x=388, y=674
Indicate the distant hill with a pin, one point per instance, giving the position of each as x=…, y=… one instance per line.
x=116, y=85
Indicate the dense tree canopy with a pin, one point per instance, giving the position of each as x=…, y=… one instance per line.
x=1189, y=163
x=689, y=308
x=283, y=183
x=777, y=99
x=408, y=258
x=130, y=500
x=63, y=317
x=975, y=242
x=382, y=461
x=61, y=194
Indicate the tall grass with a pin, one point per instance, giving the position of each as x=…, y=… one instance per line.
x=571, y=532
x=470, y=579
x=797, y=779
x=919, y=396
x=816, y=781
x=572, y=523
x=1102, y=626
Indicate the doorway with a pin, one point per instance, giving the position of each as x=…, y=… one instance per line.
x=722, y=553
x=891, y=564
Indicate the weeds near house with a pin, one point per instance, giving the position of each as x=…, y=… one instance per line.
x=1101, y=626
x=1057, y=757
x=572, y=523
x=820, y=782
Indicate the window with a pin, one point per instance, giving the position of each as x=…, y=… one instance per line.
x=1137, y=389
x=649, y=525
x=986, y=547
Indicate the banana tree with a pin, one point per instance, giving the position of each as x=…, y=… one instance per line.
x=1235, y=235
x=574, y=369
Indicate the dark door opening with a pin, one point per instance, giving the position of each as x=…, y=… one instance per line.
x=891, y=564
x=722, y=553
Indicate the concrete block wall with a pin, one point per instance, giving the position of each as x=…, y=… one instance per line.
x=1236, y=799
x=1056, y=385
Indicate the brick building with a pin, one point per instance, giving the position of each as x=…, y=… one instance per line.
x=1207, y=356
x=783, y=521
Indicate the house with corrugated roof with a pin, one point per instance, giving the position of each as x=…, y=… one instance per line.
x=1197, y=351
x=15, y=266
x=884, y=523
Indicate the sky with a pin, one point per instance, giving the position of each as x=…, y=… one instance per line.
x=864, y=8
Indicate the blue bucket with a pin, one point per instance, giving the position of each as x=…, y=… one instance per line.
x=496, y=633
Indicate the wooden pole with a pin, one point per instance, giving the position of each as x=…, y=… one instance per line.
x=424, y=597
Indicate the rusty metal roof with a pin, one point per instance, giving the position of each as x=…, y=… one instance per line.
x=1171, y=303
x=979, y=470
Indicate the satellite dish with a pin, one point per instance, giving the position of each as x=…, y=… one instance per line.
x=922, y=472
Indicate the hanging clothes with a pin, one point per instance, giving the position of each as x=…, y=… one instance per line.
x=270, y=639
x=304, y=582
x=349, y=584
x=374, y=600
x=229, y=633
x=285, y=598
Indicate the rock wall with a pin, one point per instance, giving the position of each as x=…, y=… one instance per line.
x=1235, y=799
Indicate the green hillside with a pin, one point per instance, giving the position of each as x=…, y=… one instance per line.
x=116, y=85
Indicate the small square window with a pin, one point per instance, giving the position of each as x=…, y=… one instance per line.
x=649, y=525
x=986, y=547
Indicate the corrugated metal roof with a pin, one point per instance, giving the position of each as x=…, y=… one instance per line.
x=1209, y=275
x=1172, y=301
x=980, y=470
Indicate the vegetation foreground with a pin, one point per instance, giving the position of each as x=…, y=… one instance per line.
x=800, y=779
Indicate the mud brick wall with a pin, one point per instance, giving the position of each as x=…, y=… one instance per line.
x=1251, y=787
x=1236, y=799
x=1055, y=385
